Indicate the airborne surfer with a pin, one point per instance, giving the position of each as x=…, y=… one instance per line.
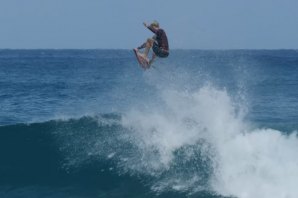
x=158, y=43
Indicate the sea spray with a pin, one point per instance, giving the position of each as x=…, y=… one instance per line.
x=235, y=159
x=188, y=120
x=198, y=141
x=170, y=148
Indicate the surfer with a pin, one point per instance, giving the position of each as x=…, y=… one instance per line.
x=158, y=43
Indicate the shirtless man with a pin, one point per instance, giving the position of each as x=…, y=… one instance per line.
x=158, y=43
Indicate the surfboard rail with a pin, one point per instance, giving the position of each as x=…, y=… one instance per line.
x=143, y=62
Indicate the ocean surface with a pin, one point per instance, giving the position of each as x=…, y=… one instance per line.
x=201, y=123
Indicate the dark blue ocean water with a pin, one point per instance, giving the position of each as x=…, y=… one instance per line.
x=92, y=123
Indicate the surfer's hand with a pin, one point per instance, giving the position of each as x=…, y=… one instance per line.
x=145, y=24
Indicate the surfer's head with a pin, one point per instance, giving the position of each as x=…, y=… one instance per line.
x=155, y=24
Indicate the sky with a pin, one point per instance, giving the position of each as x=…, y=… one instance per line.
x=117, y=24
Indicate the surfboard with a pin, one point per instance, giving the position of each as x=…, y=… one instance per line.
x=142, y=61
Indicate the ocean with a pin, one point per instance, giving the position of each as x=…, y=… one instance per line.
x=198, y=124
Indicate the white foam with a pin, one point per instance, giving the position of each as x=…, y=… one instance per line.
x=257, y=163
x=261, y=163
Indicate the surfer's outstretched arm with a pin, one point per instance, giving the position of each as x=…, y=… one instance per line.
x=150, y=27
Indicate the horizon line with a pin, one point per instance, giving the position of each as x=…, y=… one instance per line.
x=202, y=49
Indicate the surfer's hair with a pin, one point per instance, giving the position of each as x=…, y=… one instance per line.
x=155, y=24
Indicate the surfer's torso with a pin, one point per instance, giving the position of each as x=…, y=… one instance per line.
x=161, y=38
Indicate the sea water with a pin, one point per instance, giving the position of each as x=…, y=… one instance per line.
x=92, y=123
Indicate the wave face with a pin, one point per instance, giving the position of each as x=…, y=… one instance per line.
x=90, y=157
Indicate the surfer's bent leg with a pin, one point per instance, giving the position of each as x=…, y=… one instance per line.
x=142, y=46
x=149, y=44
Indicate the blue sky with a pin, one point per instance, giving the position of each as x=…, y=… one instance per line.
x=117, y=24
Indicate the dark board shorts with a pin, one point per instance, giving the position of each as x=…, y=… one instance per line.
x=159, y=51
